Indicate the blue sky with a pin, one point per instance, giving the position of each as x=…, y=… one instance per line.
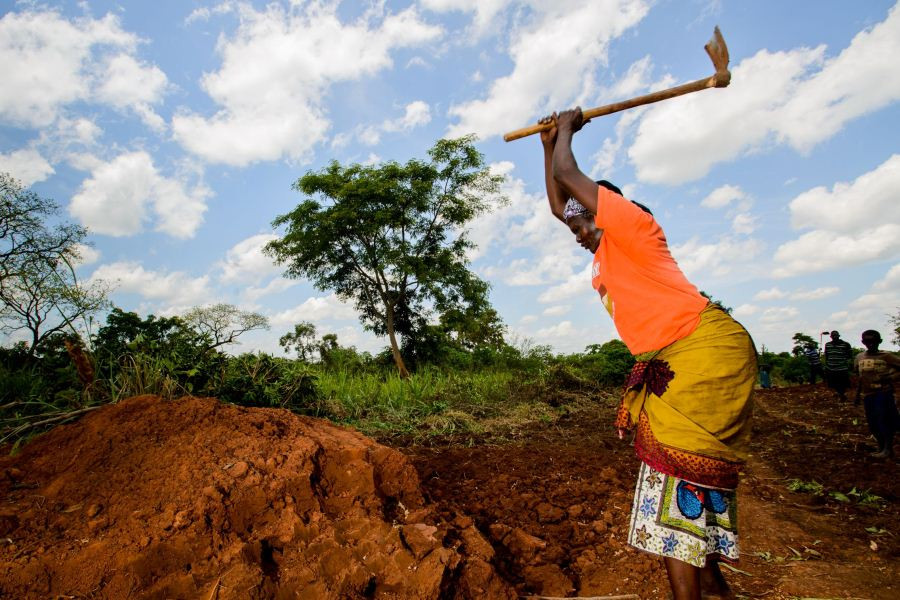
x=173, y=130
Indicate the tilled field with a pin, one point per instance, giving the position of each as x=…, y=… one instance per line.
x=555, y=502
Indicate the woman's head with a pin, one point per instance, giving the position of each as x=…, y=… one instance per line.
x=581, y=223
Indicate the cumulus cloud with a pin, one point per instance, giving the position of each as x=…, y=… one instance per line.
x=51, y=62
x=275, y=72
x=745, y=310
x=276, y=286
x=87, y=255
x=485, y=12
x=317, y=308
x=816, y=294
x=117, y=197
x=851, y=224
x=770, y=294
x=777, y=294
x=743, y=223
x=27, y=165
x=415, y=114
x=723, y=196
x=798, y=97
x=552, y=256
x=555, y=311
x=576, y=284
x=171, y=288
x=728, y=255
x=554, y=56
x=245, y=262
x=872, y=309
x=778, y=314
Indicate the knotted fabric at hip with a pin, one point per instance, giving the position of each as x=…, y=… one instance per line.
x=653, y=373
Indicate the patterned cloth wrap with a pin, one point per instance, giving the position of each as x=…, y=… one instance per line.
x=675, y=518
x=691, y=403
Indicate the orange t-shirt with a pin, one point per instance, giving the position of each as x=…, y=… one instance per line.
x=650, y=300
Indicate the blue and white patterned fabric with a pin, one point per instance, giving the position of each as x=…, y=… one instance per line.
x=677, y=518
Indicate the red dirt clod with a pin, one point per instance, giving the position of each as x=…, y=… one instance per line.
x=304, y=509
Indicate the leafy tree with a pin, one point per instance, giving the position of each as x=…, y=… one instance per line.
x=302, y=340
x=476, y=324
x=44, y=297
x=391, y=237
x=127, y=332
x=801, y=341
x=39, y=291
x=895, y=322
x=222, y=324
x=25, y=238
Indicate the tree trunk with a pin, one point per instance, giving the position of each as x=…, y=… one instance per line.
x=395, y=349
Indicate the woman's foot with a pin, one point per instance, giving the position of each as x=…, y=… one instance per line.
x=713, y=584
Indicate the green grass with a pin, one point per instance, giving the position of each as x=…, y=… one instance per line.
x=429, y=402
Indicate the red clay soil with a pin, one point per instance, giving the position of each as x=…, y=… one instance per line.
x=555, y=505
x=195, y=499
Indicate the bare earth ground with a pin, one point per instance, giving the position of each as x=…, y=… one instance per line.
x=197, y=499
x=554, y=503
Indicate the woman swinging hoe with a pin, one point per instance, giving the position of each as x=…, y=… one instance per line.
x=689, y=395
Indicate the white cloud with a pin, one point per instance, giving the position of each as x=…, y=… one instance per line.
x=743, y=223
x=723, y=196
x=554, y=55
x=415, y=114
x=276, y=286
x=727, y=255
x=852, y=207
x=745, y=310
x=796, y=97
x=27, y=165
x=576, y=284
x=87, y=255
x=115, y=198
x=778, y=314
x=485, y=12
x=872, y=309
x=317, y=308
x=129, y=83
x=51, y=62
x=816, y=294
x=275, y=72
x=824, y=250
x=245, y=262
x=174, y=288
x=561, y=330
x=770, y=294
x=853, y=223
x=555, y=311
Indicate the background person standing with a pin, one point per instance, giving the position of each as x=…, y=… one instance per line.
x=812, y=354
x=838, y=355
x=877, y=370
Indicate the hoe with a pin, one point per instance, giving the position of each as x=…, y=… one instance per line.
x=718, y=53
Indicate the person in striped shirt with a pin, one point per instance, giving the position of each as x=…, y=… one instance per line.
x=838, y=355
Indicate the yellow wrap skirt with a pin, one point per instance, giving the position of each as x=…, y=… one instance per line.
x=691, y=402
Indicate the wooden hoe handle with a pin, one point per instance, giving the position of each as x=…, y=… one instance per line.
x=718, y=53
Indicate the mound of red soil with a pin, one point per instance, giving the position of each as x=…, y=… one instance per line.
x=197, y=499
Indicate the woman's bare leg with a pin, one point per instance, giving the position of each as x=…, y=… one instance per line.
x=713, y=582
x=684, y=579
x=693, y=583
